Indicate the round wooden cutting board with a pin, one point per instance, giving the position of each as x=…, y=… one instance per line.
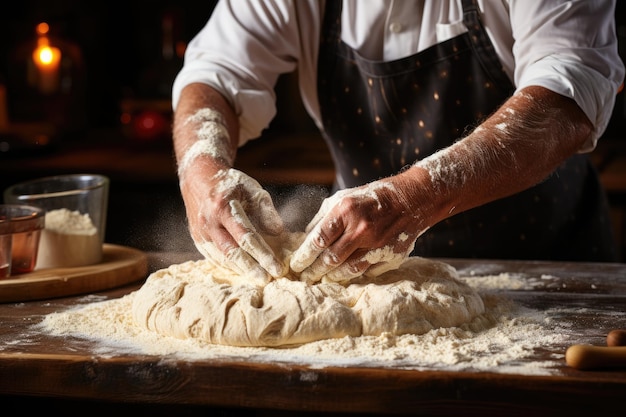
x=120, y=265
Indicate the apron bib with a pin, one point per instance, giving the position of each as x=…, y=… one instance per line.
x=379, y=117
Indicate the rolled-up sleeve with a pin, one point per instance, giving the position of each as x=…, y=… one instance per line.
x=571, y=49
x=240, y=52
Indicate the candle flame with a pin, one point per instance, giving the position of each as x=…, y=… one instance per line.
x=44, y=54
x=47, y=56
x=47, y=59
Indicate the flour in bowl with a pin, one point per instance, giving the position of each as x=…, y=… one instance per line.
x=69, y=239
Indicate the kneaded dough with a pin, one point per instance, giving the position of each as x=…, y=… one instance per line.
x=195, y=300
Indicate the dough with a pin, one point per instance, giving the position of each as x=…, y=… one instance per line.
x=199, y=299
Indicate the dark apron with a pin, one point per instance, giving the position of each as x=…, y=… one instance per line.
x=379, y=117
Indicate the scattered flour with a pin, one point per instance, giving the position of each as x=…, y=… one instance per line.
x=503, y=281
x=496, y=341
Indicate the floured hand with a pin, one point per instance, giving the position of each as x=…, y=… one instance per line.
x=230, y=215
x=359, y=231
x=232, y=212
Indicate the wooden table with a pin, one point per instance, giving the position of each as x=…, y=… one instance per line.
x=71, y=377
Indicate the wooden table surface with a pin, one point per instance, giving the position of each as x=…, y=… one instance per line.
x=70, y=376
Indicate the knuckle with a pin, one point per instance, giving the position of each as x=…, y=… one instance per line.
x=330, y=258
x=357, y=267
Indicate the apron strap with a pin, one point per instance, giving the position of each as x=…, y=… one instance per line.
x=482, y=45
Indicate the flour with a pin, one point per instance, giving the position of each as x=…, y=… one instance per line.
x=201, y=147
x=495, y=341
x=444, y=168
x=385, y=255
x=473, y=156
x=69, y=239
x=213, y=139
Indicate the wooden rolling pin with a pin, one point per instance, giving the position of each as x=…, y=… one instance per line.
x=616, y=338
x=593, y=357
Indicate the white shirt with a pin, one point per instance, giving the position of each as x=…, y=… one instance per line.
x=569, y=47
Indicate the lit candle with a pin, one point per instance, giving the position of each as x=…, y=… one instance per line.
x=47, y=60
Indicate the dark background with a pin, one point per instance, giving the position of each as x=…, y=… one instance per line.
x=121, y=41
x=118, y=69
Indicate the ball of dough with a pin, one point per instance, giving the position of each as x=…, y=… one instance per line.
x=197, y=299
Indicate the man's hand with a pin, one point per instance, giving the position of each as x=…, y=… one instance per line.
x=359, y=231
x=228, y=212
x=231, y=212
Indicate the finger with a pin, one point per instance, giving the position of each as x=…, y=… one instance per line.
x=253, y=243
x=257, y=247
x=323, y=235
x=209, y=251
x=338, y=269
x=247, y=267
x=382, y=267
x=343, y=251
x=312, y=246
x=383, y=260
x=347, y=271
x=321, y=266
x=236, y=264
x=325, y=207
x=259, y=202
x=213, y=242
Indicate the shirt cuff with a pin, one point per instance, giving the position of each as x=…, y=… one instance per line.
x=594, y=93
x=254, y=108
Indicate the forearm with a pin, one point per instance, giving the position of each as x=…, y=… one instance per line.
x=205, y=130
x=516, y=148
x=202, y=132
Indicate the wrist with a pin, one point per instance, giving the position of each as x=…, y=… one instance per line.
x=429, y=201
x=211, y=139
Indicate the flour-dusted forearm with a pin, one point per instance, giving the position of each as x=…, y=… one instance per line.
x=517, y=147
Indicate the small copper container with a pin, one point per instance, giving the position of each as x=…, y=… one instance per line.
x=20, y=231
